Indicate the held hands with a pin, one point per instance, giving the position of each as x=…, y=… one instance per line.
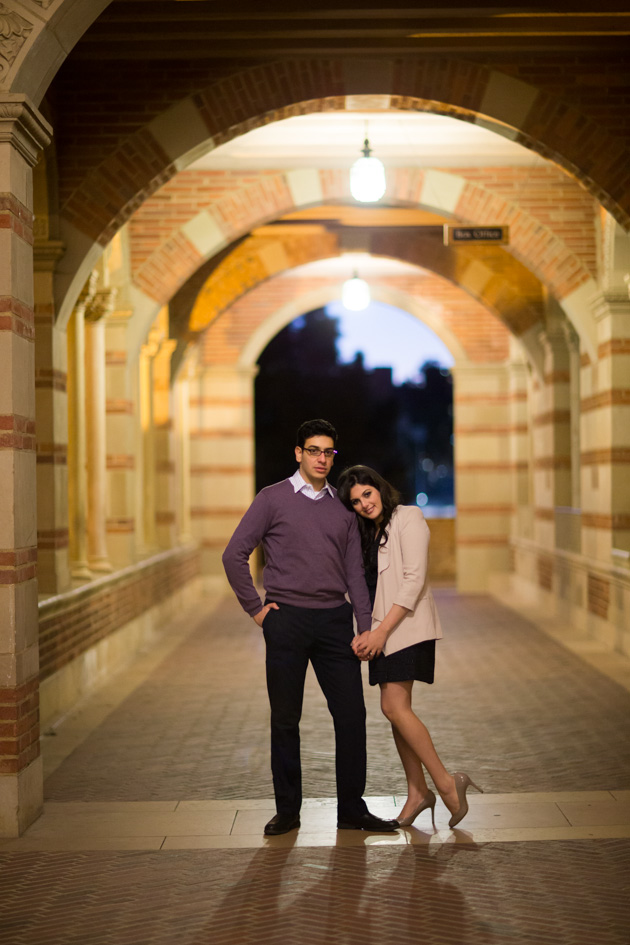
x=260, y=616
x=369, y=644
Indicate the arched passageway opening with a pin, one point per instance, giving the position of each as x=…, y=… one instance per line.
x=541, y=427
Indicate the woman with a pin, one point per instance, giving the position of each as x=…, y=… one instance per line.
x=405, y=626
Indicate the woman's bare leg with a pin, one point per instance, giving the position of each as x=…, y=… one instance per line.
x=418, y=748
x=417, y=787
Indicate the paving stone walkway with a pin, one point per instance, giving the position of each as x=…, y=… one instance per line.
x=511, y=706
x=532, y=894
x=518, y=710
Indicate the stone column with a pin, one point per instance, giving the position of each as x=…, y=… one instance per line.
x=484, y=471
x=51, y=410
x=165, y=507
x=99, y=306
x=557, y=522
x=145, y=483
x=606, y=435
x=77, y=439
x=520, y=454
x=23, y=132
x=122, y=457
x=222, y=457
x=181, y=393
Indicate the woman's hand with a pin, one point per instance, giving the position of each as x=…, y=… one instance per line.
x=369, y=644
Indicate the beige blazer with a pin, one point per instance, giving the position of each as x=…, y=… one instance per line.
x=402, y=579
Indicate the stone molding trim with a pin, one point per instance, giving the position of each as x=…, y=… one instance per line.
x=47, y=253
x=22, y=126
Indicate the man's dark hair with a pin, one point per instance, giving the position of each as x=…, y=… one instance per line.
x=315, y=428
x=390, y=497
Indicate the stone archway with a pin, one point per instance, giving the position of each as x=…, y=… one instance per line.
x=152, y=154
x=223, y=406
x=542, y=245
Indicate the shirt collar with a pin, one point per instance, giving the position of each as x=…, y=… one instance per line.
x=299, y=483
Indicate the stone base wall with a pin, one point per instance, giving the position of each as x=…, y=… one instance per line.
x=90, y=632
x=593, y=598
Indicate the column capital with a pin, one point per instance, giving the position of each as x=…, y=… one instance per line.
x=23, y=126
x=605, y=304
x=46, y=254
x=119, y=316
x=100, y=305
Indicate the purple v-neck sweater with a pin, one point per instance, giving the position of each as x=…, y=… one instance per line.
x=312, y=553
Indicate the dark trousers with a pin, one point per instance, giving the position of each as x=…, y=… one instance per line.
x=295, y=635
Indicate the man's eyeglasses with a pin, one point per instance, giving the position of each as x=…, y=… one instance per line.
x=315, y=451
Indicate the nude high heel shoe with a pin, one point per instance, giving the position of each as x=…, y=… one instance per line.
x=462, y=783
x=429, y=801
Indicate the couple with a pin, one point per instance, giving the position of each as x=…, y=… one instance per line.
x=317, y=552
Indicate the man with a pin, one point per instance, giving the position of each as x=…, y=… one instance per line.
x=313, y=557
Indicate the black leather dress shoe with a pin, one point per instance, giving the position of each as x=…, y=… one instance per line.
x=367, y=821
x=282, y=823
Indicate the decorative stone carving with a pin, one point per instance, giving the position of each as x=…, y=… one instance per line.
x=44, y=4
x=100, y=304
x=14, y=31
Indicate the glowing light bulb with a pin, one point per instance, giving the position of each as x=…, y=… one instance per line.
x=367, y=177
x=355, y=294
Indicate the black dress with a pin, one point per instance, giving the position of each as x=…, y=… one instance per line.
x=412, y=662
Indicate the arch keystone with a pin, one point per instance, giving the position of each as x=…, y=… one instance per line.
x=205, y=234
x=441, y=190
x=508, y=99
x=305, y=186
x=182, y=133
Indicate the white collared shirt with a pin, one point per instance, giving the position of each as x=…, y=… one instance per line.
x=299, y=485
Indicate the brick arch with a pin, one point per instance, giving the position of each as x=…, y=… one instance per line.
x=538, y=241
x=468, y=329
x=488, y=274
x=274, y=320
x=150, y=156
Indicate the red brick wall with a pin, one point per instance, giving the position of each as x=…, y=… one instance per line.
x=19, y=726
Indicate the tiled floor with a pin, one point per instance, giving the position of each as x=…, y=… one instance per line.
x=158, y=789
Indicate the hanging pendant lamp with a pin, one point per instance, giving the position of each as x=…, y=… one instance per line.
x=367, y=177
x=355, y=294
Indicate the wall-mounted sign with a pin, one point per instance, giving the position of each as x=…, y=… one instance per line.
x=476, y=234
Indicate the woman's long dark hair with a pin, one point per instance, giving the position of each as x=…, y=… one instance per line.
x=390, y=497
